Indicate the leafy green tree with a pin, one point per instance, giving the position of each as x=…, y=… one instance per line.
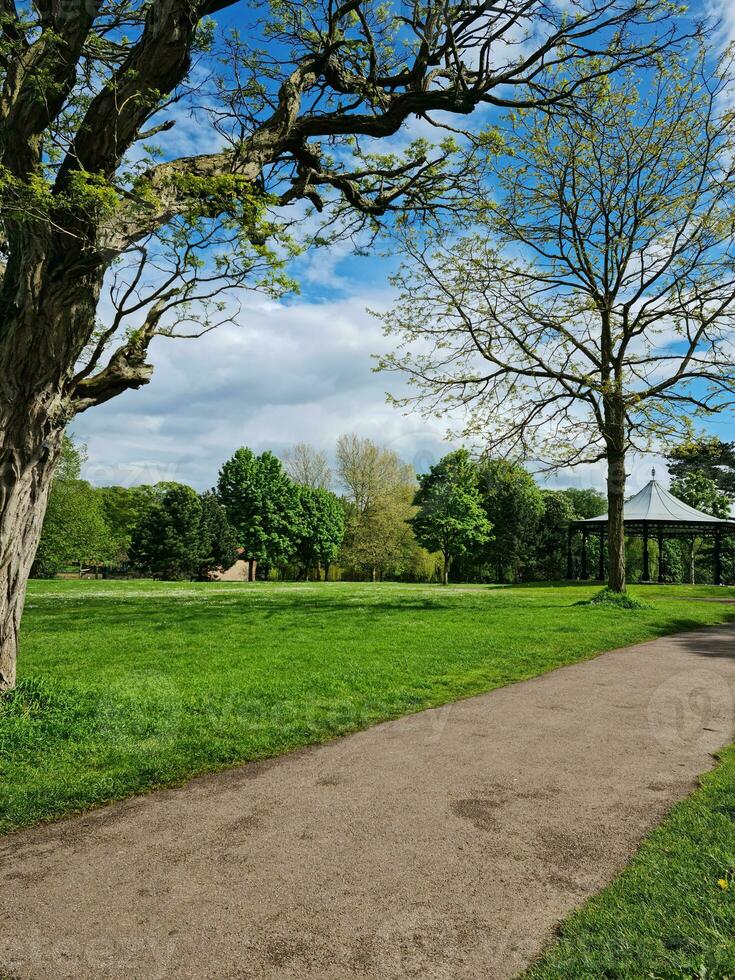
x=514, y=505
x=369, y=472
x=167, y=543
x=450, y=517
x=547, y=554
x=322, y=528
x=593, y=311
x=379, y=489
x=379, y=541
x=74, y=528
x=123, y=508
x=708, y=456
x=93, y=193
x=585, y=502
x=218, y=542
x=262, y=505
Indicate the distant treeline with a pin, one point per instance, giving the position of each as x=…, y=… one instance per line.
x=464, y=520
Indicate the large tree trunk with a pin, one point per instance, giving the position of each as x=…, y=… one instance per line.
x=615, y=527
x=46, y=318
x=27, y=461
x=445, y=573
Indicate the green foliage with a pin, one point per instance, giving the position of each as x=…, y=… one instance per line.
x=123, y=508
x=321, y=527
x=379, y=489
x=450, y=517
x=514, y=505
x=167, y=542
x=702, y=492
x=379, y=541
x=74, y=528
x=708, y=456
x=262, y=505
x=218, y=542
x=125, y=686
x=618, y=600
x=546, y=557
x=698, y=488
x=586, y=503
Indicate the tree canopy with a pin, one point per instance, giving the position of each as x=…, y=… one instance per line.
x=321, y=527
x=594, y=310
x=707, y=455
x=450, y=516
x=167, y=543
x=262, y=505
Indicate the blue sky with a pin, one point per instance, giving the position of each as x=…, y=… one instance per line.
x=298, y=370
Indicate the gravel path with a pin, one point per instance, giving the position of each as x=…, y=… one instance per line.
x=444, y=845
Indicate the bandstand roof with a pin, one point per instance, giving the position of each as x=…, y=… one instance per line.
x=656, y=509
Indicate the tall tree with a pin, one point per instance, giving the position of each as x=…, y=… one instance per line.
x=368, y=471
x=450, y=516
x=88, y=198
x=322, y=528
x=379, y=541
x=514, y=506
x=262, y=506
x=594, y=311
x=708, y=456
x=308, y=466
x=167, y=543
x=379, y=489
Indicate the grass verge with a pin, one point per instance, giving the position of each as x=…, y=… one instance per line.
x=671, y=914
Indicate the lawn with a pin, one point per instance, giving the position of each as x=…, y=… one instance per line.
x=125, y=686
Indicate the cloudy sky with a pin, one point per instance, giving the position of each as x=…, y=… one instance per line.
x=299, y=370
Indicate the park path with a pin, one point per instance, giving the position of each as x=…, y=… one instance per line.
x=443, y=845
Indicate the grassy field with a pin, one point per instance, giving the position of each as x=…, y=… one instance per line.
x=125, y=686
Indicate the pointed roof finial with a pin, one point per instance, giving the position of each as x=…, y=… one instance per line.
x=653, y=472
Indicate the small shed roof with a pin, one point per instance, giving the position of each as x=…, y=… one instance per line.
x=655, y=505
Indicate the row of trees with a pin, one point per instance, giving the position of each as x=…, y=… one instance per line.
x=486, y=521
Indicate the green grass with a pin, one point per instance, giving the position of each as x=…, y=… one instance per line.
x=666, y=917
x=622, y=600
x=125, y=686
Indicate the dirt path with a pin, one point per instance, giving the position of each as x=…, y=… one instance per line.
x=444, y=845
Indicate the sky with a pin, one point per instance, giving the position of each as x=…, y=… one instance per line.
x=295, y=370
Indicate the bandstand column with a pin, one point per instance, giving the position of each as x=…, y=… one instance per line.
x=661, y=556
x=646, y=566
x=583, y=572
x=718, y=558
x=570, y=567
x=601, y=566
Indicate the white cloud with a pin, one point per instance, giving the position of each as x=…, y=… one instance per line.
x=285, y=373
